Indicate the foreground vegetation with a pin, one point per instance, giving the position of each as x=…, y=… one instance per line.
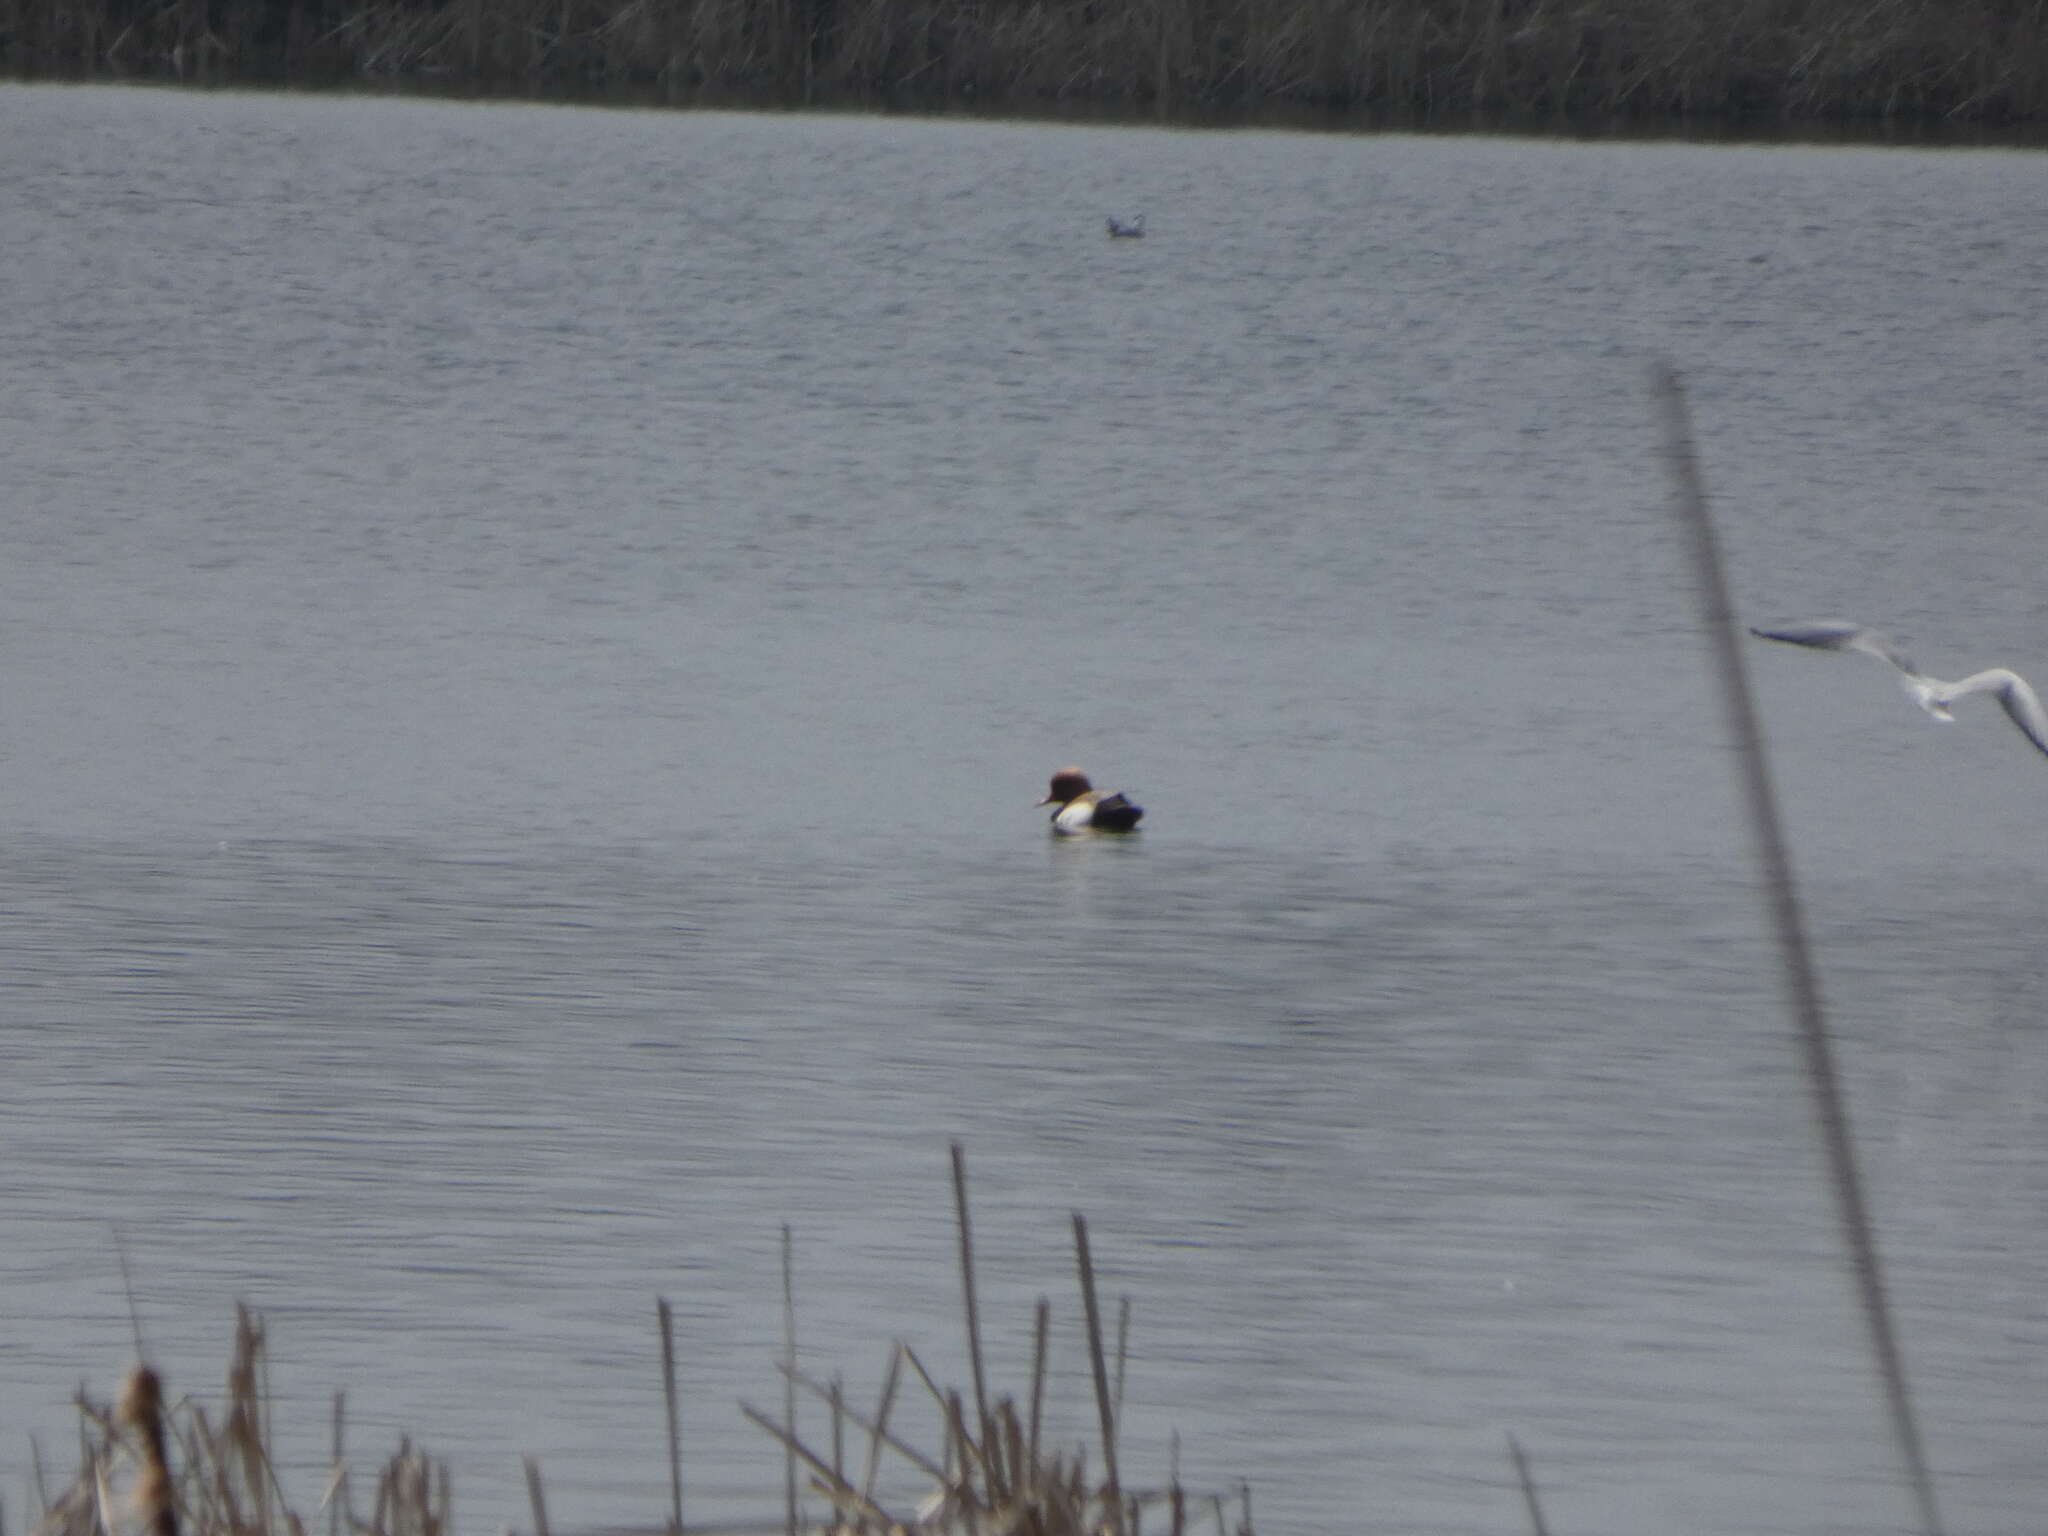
x=170, y=1468
x=1982, y=60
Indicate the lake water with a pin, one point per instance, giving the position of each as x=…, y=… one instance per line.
x=532, y=637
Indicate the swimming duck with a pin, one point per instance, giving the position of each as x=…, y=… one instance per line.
x=1084, y=808
x=1134, y=230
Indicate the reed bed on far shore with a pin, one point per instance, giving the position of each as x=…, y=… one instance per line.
x=171, y=1468
x=1977, y=60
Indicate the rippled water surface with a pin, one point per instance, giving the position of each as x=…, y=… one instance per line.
x=531, y=636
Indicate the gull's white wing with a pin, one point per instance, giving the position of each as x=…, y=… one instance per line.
x=1838, y=635
x=2021, y=703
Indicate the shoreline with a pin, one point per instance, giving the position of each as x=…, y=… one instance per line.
x=1277, y=117
x=1772, y=68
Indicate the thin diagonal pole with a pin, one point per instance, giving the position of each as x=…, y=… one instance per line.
x=1831, y=1111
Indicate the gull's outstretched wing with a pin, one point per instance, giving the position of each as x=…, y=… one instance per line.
x=2021, y=703
x=1839, y=635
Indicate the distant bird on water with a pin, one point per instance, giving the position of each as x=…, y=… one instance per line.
x=1134, y=230
x=1084, y=808
x=1930, y=693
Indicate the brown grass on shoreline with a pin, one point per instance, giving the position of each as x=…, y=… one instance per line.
x=995, y=1473
x=169, y=1469
x=1975, y=60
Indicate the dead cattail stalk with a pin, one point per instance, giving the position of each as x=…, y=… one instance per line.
x=142, y=1411
x=227, y=1476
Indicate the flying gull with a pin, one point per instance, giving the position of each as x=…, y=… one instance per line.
x=1930, y=693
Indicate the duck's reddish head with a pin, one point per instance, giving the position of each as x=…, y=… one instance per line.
x=1068, y=784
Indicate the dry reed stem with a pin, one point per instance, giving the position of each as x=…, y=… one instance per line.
x=1123, y=1354
x=668, y=1398
x=842, y=1493
x=967, y=1288
x=1102, y=1401
x=188, y=1479
x=195, y=1479
x=938, y=1393
x=881, y=1434
x=1041, y=1324
x=336, y=1496
x=992, y=1476
x=838, y=1403
x=1528, y=1482
x=35, y=1461
x=789, y=1379
x=879, y=1429
x=535, y=1496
